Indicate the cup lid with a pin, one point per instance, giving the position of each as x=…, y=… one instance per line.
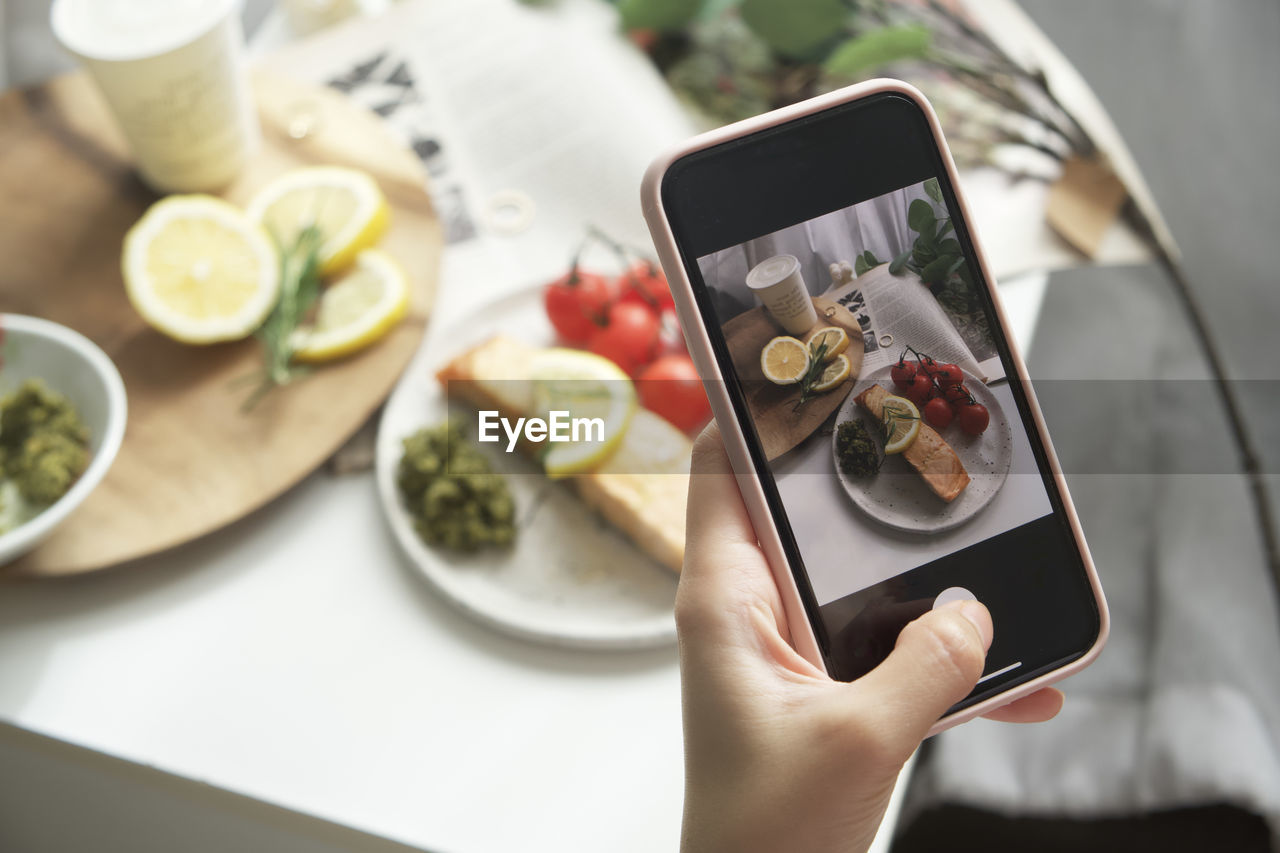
x=770, y=271
x=123, y=30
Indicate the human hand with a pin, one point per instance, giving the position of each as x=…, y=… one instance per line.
x=778, y=756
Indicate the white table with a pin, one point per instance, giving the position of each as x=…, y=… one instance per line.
x=297, y=659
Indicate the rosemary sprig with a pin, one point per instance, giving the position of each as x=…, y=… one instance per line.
x=892, y=417
x=817, y=366
x=299, y=288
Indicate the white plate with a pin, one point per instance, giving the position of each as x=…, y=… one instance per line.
x=897, y=497
x=570, y=579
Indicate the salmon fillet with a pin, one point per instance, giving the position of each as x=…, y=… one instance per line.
x=931, y=457
x=640, y=490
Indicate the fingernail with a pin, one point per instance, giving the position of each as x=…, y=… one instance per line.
x=978, y=615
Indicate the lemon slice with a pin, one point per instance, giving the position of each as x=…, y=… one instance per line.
x=345, y=204
x=355, y=311
x=583, y=386
x=199, y=270
x=833, y=374
x=901, y=422
x=784, y=360
x=836, y=339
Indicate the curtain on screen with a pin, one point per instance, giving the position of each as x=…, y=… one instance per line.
x=878, y=225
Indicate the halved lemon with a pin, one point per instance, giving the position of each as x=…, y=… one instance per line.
x=835, y=338
x=199, y=270
x=836, y=371
x=346, y=205
x=901, y=422
x=355, y=311
x=784, y=360
x=596, y=400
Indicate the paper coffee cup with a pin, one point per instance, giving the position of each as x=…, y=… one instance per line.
x=172, y=72
x=780, y=287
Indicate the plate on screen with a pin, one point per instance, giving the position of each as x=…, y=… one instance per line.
x=897, y=497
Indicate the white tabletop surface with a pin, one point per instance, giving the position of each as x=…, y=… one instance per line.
x=296, y=657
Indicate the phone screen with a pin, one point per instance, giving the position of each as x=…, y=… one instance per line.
x=893, y=438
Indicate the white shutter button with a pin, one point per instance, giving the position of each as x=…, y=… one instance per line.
x=952, y=593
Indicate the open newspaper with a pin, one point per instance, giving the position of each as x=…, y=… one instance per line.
x=895, y=311
x=532, y=120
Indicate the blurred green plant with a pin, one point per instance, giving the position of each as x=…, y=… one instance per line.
x=732, y=59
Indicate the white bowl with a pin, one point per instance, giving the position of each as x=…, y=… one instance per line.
x=74, y=366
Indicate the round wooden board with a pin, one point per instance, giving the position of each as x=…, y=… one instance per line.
x=192, y=461
x=778, y=424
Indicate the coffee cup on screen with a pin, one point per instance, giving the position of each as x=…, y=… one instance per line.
x=780, y=287
x=172, y=73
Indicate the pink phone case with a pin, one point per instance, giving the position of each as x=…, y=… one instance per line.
x=735, y=441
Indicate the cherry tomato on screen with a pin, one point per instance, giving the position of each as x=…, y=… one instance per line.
x=903, y=373
x=948, y=374
x=577, y=304
x=956, y=394
x=671, y=388
x=973, y=418
x=629, y=337
x=919, y=389
x=938, y=413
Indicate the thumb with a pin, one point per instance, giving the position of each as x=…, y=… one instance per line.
x=935, y=663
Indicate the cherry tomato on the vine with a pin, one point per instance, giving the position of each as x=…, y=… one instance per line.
x=629, y=337
x=948, y=374
x=645, y=284
x=577, y=304
x=938, y=413
x=956, y=393
x=903, y=373
x=919, y=389
x=671, y=388
x=973, y=418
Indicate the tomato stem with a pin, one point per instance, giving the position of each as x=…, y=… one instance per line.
x=573, y=277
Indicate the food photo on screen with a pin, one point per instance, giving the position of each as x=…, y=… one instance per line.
x=865, y=357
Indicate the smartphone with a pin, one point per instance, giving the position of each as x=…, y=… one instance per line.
x=824, y=269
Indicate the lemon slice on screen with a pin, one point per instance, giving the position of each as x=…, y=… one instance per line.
x=199, y=270
x=345, y=204
x=357, y=310
x=835, y=338
x=902, y=423
x=784, y=360
x=836, y=371
x=588, y=387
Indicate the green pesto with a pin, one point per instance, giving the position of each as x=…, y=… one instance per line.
x=452, y=493
x=856, y=449
x=44, y=446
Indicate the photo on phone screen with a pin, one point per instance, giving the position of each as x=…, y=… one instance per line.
x=869, y=360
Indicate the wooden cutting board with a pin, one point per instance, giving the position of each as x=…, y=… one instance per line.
x=191, y=461
x=773, y=407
